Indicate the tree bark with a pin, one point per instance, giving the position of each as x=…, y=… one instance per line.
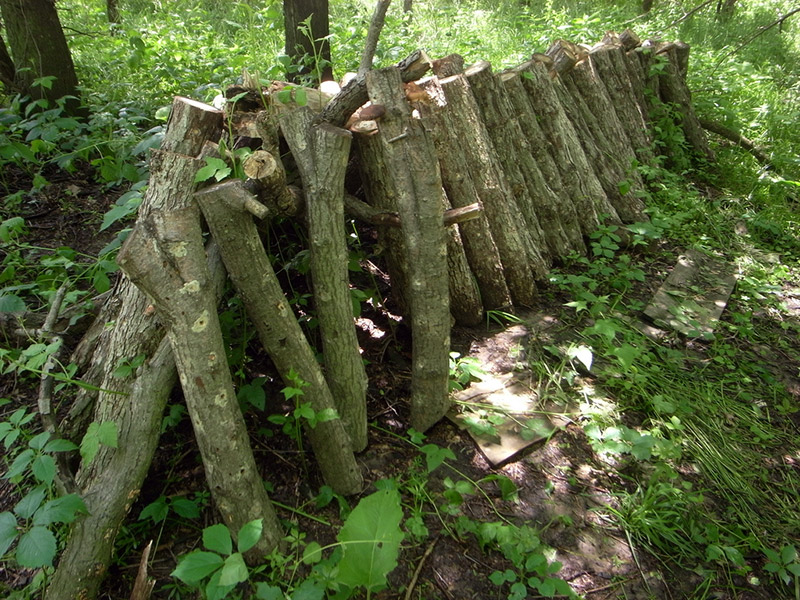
x=40, y=49
x=308, y=40
x=563, y=208
x=277, y=327
x=112, y=11
x=321, y=152
x=414, y=177
x=604, y=140
x=576, y=173
x=7, y=70
x=128, y=329
x=507, y=227
x=674, y=91
x=449, y=129
x=165, y=257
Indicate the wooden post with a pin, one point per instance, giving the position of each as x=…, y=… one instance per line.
x=413, y=175
x=321, y=153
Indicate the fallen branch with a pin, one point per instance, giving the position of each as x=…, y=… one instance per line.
x=737, y=138
x=761, y=31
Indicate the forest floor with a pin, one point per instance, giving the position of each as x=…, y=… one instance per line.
x=563, y=484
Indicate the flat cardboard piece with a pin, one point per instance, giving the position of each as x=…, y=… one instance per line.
x=694, y=295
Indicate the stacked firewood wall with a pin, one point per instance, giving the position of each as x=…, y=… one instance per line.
x=549, y=149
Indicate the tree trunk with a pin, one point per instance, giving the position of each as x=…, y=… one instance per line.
x=414, y=177
x=7, y=70
x=449, y=129
x=280, y=334
x=40, y=49
x=674, y=91
x=306, y=27
x=112, y=11
x=165, y=257
x=127, y=329
x=604, y=140
x=321, y=152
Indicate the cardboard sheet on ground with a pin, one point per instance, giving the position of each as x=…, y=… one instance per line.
x=694, y=295
x=512, y=410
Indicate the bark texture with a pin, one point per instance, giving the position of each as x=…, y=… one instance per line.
x=277, y=327
x=39, y=49
x=413, y=175
x=165, y=257
x=321, y=152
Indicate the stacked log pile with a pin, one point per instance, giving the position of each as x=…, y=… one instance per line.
x=478, y=182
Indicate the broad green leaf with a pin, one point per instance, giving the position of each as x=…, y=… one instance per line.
x=626, y=354
x=312, y=553
x=97, y=433
x=196, y=566
x=59, y=445
x=436, y=455
x=218, y=539
x=310, y=590
x=788, y=554
x=20, y=464
x=31, y=502
x=8, y=531
x=185, y=508
x=38, y=442
x=249, y=535
x=371, y=538
x=265, y=591
x=61, y=510
x=157, y=510
x=234, y=571
x=44, y=468
x=11, y=303
x=582, y=354
x=36, y=548
x=215, y=590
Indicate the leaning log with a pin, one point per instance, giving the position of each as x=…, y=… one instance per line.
x=413, y=175
x=278, y=330
x=482, y=165
x=518, y=166
x=321, y=152
x=449, y=130
x=164, y=256
x=576, y=172
x=562, y=210
x=112, y=482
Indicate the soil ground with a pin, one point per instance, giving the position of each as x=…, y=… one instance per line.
x=563, y=485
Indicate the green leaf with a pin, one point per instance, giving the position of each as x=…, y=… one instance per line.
x=38, y=442
x=97, y=433
x=20, y=463
x=31, y=502
x=310, y=590
x=60, y=510
x=264, y=591
x=436, y=455
x=44, y=468
x=312, y=553
x=59, y=445
x=11, y=303
x=234, y=571
x=249, y=535
x=218, y=539
x=196, y=566
x=185, y=508
x=8, y=531
x=36, y=548
x=371, y=538
x=157, y=510
x=215, y=590
x=626, y=354
x=788, y=554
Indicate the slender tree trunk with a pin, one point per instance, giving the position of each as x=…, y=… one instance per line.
x=308, y=38
x=7, y=70
x=112, y=11
x=40, y=49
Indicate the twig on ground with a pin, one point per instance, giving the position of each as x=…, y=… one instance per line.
x=418, y=570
